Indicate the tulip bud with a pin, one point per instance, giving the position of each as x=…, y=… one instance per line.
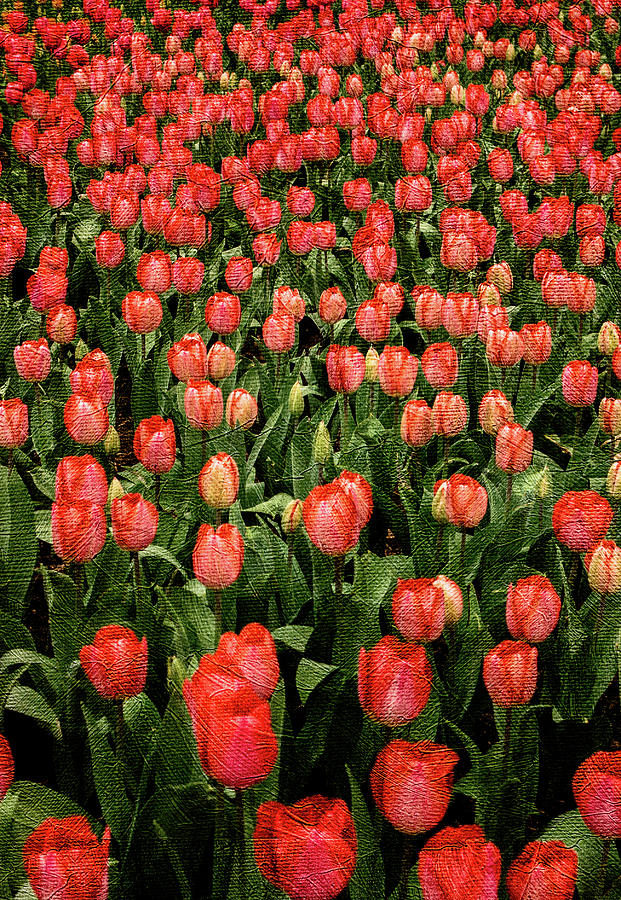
x=544, y=870
x=608, y=338
x=218, y=481
x=459, y=862
x=322, y=445
x=418, y=608
x=603, y=565
x=371, y=372
x=291, y=516
x=453, y=599
x=597, y=789
x=296, y=400
x=543, y=484
x=613, y=480
x=114, y=492
x=81, y=350
x=112, y=441
x=438, y=504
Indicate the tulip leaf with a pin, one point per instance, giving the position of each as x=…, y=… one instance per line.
x=18, y=542
x=144, y=398
x=572, y=831
x=368, y=878
x=29, y=703
x=107, y=769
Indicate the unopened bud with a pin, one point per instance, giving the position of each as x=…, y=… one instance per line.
x=608, y=338
x=291, y=516
x=438, y=504
x=296, y=400
x=603, y=564
x=510, y=56
x=458, y=95
x=112, y=441
x=80, y=350
x=114, y=492
x=371, y=372
x=543, y=484
x=537, y=52
x=322, y=445
x=453, y=598
x=613, y=480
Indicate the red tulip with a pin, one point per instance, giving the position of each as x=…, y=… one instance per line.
x=187, y=359
x=116, y=662
x=238, y=275
x=220, y=361
x=288, y=301
x=142, y=311
x=13, y=423
x=93, y=376
x=279, y=332
x=64, y=860
x=466, y=501
x=449, y=414
x=514, y=448
x=418, y=608
x=187, y=275
x=394, y=681
x=494, y=411
x=533, y=609
x=203, y=405
x=416, y=423
x=429, y=305
x=458, y=862
x=397, y=371
x=440, y=365
x=223, y=312
x=155, y=445
x=460, y=314
x=373, y=320
x=544, y=870
x=504, y=347
x=218, y=556
x=359, y=491
x=232, y=725
x=332, y=305
x=391, y=293
x=241, y=409
x=78, y=530
x=61, y=324
x=33, y=360
x=109, y=250
x=597, y=789
x=331, y=519
x=346, y=367
x=86, y=418
x=579, y=381
x=308, y=849
x=81, y=478
x=510, y=673
x=251, y=654
x=134, y=522
x=412, y=784
x=580, y=519
x=537, y=343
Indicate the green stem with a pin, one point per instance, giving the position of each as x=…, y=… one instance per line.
x=601, y=881
x=137, y=577
x=406, y=865
x=600, y=612
x=507, y=744
x=241, y=836
x=217, y=612
x=10, y=463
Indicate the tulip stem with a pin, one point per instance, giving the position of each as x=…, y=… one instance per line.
x=438, y=547
x=217, y=612
x=572, y=581
x=120, y=727
x=445, y=464
x=338, y=581
x=600, y=612
x=397, y=417
x=203, y=446
x=406, y=865
x=601, y=881
x=344, y=422
x=507, y=744
x=241, y=834
x=144, y=346
x=79, y=589
x=462, y=553
x=10, y=463
x=578, y=424
x=509, y=491
x=371, y=399
x=137, y=576
x=534, y=368
x=580, y=330
x=157, y=489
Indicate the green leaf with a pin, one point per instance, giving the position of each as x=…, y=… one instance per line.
x=18, y=542
x=144, y=399
x=29, y=703
x=309, y=674
x=571, y=830
x=295, y=637
x=108, y=775
x=368, y=878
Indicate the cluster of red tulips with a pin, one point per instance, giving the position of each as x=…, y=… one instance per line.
x=309, y=545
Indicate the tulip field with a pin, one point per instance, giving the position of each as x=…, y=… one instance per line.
x=310, y=450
